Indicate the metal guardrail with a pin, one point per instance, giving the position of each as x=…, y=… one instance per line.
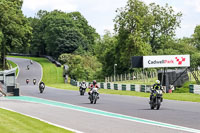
x=58, y=64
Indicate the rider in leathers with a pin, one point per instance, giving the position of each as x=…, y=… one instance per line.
x=93, y=85
x=83, y=85
x=156, y=86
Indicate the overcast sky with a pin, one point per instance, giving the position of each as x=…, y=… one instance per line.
x=100, y=13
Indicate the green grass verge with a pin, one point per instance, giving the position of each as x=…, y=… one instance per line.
x=11, y=122
x=150, y=81
x=52, y=76
x=170, y=96
x=13, y=66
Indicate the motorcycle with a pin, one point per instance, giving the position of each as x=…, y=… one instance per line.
x=94, y=95
x=27, y=81
x=156, y=99
x=34, y=81
x=82, y=89
x=28, y=67
x=41, y=87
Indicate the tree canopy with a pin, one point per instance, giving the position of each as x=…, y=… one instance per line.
x=58, y=32
x=15, y=31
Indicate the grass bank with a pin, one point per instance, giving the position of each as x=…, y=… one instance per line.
x=52, y=76
x=11, y=122
x=13, y=65
x=51, y=73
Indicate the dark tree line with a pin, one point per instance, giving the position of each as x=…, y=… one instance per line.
x=57, y=32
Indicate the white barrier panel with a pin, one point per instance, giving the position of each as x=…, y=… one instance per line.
x=137, y=88
x=111, y=86
x=105, y=85
x=128, y=87
x=166, y=61
x=119, y=87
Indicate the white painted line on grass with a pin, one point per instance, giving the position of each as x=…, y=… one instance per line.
x=70, y=129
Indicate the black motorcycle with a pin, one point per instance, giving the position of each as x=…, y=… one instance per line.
x=94, y=95
x=156, y=99
x=41, y=87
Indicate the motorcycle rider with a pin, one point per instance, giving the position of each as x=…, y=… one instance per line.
x=156, y=86
x=28, y=67
x=27, y=81
x=41, y=85
x=34, y=81
x=93, y=85
x=83, y=84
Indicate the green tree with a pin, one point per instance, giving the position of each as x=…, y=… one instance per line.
x=196, y=37
x=89, y=32
x=164, y=22
x=15, y=31
x=105, y=52
x=58, y=32
x=82, y=67
x=143, y=30
x=132, y=26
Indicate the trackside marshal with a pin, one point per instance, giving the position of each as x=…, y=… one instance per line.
x=166, y=61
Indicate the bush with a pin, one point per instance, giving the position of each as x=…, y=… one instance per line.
x=82, y=67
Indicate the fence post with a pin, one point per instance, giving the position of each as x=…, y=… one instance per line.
x=147, y=76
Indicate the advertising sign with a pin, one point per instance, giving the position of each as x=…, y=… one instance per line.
x=166, y=61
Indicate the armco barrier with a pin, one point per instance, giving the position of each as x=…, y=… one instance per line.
x=138, y=88
x=191, y=88
x=102, y=85
x=143, y=88
x=194, y=89
x=123, y=87
x=115, y=86
x=132, y=87
x=108, y=86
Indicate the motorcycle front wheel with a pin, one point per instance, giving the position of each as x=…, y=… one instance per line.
x=95, y=99
x=41, y=90
x=158, y=104
x=152, y=106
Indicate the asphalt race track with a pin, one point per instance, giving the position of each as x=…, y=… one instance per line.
x=176, y=113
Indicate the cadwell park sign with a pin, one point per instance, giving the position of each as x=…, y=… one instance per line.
x=166, y=61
